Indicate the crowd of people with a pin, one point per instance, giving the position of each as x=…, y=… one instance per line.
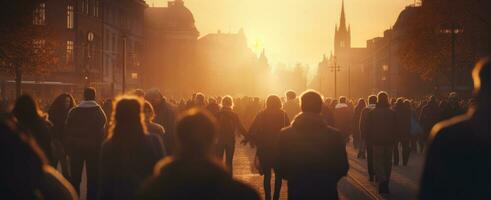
x=144, y=146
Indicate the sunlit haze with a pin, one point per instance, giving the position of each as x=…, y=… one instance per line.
x=293, y=31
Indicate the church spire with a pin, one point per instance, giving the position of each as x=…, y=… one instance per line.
x=342, y=20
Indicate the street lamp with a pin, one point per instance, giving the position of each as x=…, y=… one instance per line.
x=90, y=39
x=453, y=29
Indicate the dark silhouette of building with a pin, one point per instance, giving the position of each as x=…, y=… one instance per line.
x=170, y=48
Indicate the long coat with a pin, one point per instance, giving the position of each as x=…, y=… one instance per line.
x=312, y=157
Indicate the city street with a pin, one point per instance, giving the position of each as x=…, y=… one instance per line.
x=404, y=180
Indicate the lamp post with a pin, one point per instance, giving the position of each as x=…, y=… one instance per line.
x=90, y=39
x=335, y=68
x=453, y=29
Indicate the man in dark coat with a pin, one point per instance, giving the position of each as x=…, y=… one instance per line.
x=381, y=129
x=165, y=115
x=428, y=117
x=85, y=128
x=457, y=164
x=311, y=155
x=343, y=116
x=372, y=101
x=193, y=172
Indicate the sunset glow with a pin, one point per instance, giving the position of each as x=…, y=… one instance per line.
x=293, y=31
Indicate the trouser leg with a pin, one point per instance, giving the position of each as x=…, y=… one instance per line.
x=267, y=184
x=396, y=153
x=92, y=169
x=229, y=156
x=371, y=172
x=405, y=152
x=277, y=186
x=76, y=167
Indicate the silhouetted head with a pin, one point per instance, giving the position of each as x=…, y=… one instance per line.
x=342, y=99
x=89, y=94
x=196, y=132
x=127, y=121
x=199, y=99
x=290, y=95
x=227, y=102
x=154, y=96
x=311, y=102
x=63, y=102
x=482, y=83
x=139, y=93
x=372, y=99
x=26, y=110
x=361, y=103
x=273, y=102
x=432, y=99
x=382, y=99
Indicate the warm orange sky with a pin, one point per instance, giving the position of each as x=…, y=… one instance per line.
x=293, y=30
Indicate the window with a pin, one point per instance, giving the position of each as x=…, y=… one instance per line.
x=39, y=17
x=85, y=6
x=38, y=45
x=69, y=17
x=69, y=52
x=96, y=8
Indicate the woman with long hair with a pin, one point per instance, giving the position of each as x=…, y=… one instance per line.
x=129, y=153
x=57, y=114
x=357, y=141
x=264, y=133
x=32, y=121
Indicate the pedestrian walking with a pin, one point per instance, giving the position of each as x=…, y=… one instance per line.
x=381, y=130
x=85, y=131
x=372, y=101
x=264, y=133
x=129, y=153
x=228, y=125
x=312, y=156
x=193, y=172
x=57, y=115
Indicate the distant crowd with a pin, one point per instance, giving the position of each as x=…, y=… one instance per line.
x=144, y=146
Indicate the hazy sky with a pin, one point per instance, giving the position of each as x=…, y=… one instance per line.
x=293, y=30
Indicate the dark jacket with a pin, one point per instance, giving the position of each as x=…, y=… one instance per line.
x=194, y=179
x=312, y=157
x=457, y=163
x=165, y=115
x=85, y=127
x=124, y=168
x=429, y=116
x=228, y=124
x=381, y=126
x=265, y=132
x=363, y=125
x=403, y=117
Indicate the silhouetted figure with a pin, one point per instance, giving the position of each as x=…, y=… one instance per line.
x=57, y=115
x=228, y=125
x=213, y=107
x=193, y=172
x=428, y=117
x=264, y=133
x=85, y=129
x=165, y=115
x=312, y=155
x=357, y=142
x=24, y=172
x=291, y=106
x=152, y=127
x=107, y=107
x=328, y=112
x=457, y=163
x=129, y=154
x=381, y=127
x=402, y=136
x=32, y=121
x=372, y=101
x=343, y=116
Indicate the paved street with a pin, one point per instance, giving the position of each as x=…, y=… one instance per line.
x=404, y=180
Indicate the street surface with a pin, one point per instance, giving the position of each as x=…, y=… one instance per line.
x=404, y=180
